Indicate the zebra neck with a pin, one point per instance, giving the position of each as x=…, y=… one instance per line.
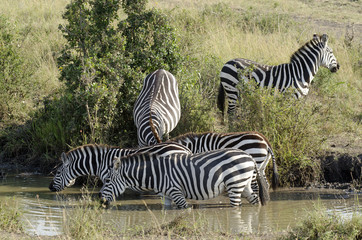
x=303, y=71
x=305, y=64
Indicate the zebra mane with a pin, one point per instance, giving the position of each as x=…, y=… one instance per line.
x=314, y=41
x=103, y=146
x=198, y=135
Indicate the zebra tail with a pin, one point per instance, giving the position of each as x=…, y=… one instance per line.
x=153, y=129
x=221, y=99
x=263, y=187
x=275, y=177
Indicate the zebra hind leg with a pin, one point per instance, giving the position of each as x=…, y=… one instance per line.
x=251, y=195
x=234, y=196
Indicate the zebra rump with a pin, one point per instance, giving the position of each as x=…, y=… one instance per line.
x=96, y=160
x=253, y=143
x=297, y=74
x=157, y=109
x=188, y=176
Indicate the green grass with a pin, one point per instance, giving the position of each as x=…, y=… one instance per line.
x=10, y=215
x=320, y=224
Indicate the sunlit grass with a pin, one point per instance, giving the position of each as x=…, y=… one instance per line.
x=323, y=224
x=10, y=215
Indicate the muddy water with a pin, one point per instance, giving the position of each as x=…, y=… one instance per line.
x=44, y=211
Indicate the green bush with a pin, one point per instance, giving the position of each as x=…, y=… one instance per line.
x=291, y=125
x=102, y=67
x=14, y=89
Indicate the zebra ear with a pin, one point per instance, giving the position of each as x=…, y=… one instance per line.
x=324, y=39
x=315, y=36
x=64, y=157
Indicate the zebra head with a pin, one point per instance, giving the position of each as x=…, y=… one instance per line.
x=62, y=178
x=114, y=185
x=328, y=59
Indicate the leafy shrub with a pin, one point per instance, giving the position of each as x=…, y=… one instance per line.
x=14, y=90
x=291, y=126
x=102, y=66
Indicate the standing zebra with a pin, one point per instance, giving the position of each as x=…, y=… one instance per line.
x=192, y=176
x=253, y=143
x=96, y=160
x=298, y=74
x=157, y=108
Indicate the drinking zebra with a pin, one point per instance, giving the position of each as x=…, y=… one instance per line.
x=96, y=160
x=298, y=74
x=188, y=176
x=253, y=143
x=157, y=108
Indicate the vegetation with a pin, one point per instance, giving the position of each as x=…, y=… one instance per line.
x=10, y=216
x=321, y=225
x=71, y=71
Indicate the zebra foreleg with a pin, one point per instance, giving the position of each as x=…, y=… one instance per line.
x=179, y=199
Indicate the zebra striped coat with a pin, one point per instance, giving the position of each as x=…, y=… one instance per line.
x=187, y=176
x=253, y=143
x=157, y=109
x=298, y=74
x=96, y=160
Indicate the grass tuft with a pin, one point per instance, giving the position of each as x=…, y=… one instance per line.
x=10, y=215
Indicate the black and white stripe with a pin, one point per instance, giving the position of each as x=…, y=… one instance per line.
x=253, y=143
x=298, y=74
x=157, y=109
x=96, y=160
x=188, y=176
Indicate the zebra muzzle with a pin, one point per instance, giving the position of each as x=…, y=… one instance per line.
x=104, y=202
x=335, y=69
x=52, y=188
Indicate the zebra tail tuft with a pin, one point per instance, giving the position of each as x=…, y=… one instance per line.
x=153, y=129
x=221, y=99
x=263, y=188
x=275, y=177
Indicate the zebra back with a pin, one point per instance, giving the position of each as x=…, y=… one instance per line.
x=157, y=109
x=254, y=143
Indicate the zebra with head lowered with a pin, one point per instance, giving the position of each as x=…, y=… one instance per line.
x=96, y=160
x=298, y=74
x=157, y=109
x=188, y=176
x=253, y=143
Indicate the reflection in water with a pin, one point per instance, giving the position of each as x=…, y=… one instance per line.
x=44, y=210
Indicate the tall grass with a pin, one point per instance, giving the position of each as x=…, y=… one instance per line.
x=319, y=224
x=10, y=215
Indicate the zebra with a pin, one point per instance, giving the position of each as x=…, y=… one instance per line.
x=96, y=160
x=253, y=143
x=157, y=109
x=298, y=74
x=187, y=176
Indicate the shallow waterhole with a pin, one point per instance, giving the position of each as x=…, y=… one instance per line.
x=44, y=211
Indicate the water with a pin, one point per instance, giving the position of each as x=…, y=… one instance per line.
x=44, y=210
